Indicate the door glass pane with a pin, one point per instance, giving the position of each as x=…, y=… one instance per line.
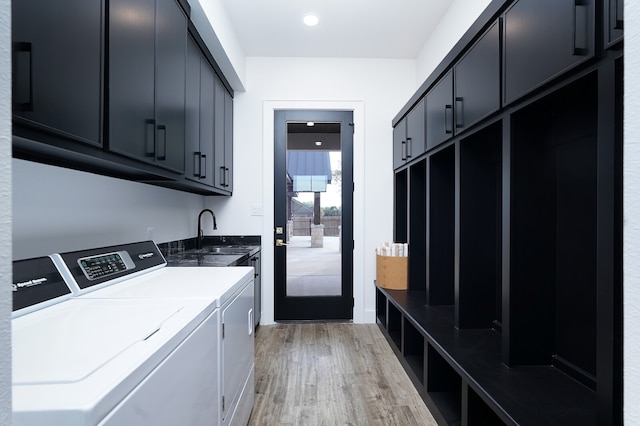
x=314, y=209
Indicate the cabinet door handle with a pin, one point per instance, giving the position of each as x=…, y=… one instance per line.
x=163, y=129
x=459, y=113
x=226, y=176
x=203, y=160
x=150, y=138
x=197, y=163
x=22, y=76
x=579, y=51
x=222, y=175
x=409, y=148
x=404, y=150
x=448, y=111
x=250, y=321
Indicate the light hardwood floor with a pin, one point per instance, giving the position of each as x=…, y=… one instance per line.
x=331, y=374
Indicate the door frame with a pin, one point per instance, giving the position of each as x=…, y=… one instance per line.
x=328, y=307
x=363, y=294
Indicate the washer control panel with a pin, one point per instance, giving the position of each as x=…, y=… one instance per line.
x=105, y=265
x=88, y=270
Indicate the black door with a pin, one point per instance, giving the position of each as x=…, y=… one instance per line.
x=313, y=198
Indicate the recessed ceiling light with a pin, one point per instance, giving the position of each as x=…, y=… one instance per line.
x=311, y=20
x=310, y=124
x=318, y=143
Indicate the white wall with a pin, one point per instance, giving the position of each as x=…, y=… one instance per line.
x=632, y=214
x=217, y=15
x=459, y=17
x=375, y=90
x=58, y=210
x=5, y=212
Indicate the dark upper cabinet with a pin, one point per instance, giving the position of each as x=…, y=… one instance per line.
x=614, y=21
x=223, y=137
x=199, y=116
x=477, y=81
x=416, y=131
x=228, y=140
x=409, y=136
x=57, y=67
x=439, y=111
x=400, y=144
x=171, y=47
x=147, y=67
x=542, y=39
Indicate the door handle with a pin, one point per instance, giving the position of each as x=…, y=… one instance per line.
x=280, y=243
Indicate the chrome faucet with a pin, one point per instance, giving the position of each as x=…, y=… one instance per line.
x=200, y=233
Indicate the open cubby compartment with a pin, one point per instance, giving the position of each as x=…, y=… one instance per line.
x=417, y=228
x=443, y=389
x=381, y=308
x=553, y=263
x=479, y=283
x=394, y=324
x=441, y=227
x=477, y=412
x=413, y=350
x=400, y=206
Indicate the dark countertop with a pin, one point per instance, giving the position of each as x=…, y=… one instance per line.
x=216, y=251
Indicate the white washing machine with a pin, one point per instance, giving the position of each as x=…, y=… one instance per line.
x=144, y=348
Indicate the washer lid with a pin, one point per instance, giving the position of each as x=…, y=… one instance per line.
x=67, y=345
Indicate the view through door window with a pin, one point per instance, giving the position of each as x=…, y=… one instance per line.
x=314, y=209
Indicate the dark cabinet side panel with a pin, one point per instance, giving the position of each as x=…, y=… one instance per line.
x=614, y=22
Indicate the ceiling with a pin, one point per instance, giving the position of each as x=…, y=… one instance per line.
x=347, y=28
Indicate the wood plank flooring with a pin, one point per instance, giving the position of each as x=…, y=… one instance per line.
x=331, y=374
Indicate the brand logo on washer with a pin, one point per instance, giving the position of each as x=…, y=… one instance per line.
x=145, y=255
x=29, y=283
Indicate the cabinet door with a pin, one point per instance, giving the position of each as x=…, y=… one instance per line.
x=440, y=111
x=218, y=128
x=207, y=90
x=193, y=155
x=171, y=46
x=228, y=141
x=614, y=25
x=416, y=131
x=131, y=78
x=57, y=66
x=477, y=81
x=542, y=39
x=400, y=144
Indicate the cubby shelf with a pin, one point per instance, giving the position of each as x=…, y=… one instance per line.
x=526, y=395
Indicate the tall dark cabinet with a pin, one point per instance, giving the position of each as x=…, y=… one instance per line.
x=513, y=216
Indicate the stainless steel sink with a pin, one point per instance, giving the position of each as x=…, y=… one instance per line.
x=226, y=250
